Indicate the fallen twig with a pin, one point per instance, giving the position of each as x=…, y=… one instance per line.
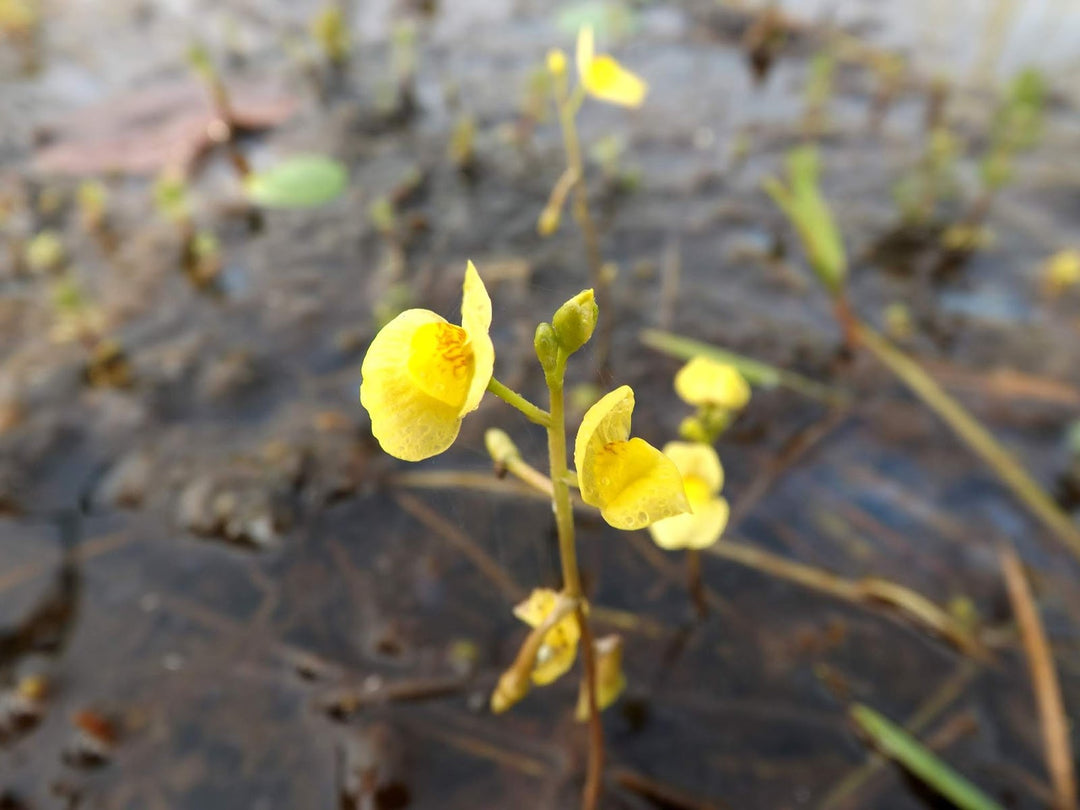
x=1052, y=719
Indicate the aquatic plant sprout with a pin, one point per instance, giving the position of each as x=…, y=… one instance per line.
x=422, y=375
x=630, y=481
x=702, y=478
x=801, y=200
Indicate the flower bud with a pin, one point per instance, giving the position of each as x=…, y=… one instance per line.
x=547, y=347
x=500, y=446
x=556, y=62
x=575, y=321
x=548, y=222
x=692, y=430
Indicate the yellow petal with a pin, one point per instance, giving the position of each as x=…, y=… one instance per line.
x=536, y=608
x=697, y=460
x=586, y=47
x=476, y=321
x=610, y=680
x=700, y=529
x=631, y=482
x=559, y=649
x=409, y=423
x=440, y=362
x=605, y=422
x=609, y=81
x=706, y=382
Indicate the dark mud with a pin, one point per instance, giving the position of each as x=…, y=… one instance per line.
x=214, y=563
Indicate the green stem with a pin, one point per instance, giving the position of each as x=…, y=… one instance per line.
x=516, y=400
x=564, y=522
x=567, y=108
x=564, y=516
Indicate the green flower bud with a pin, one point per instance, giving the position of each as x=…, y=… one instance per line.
x=547, y=347
x=692, y=430
x=575, y=321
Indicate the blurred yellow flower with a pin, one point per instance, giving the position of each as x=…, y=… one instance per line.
x=631, y=482
x=1061, y=271
x=706, y=383
x=703, y=477
x=421, y=375
x=610, y=680
x=559, y=648
x=603, y=77
x=556, y=62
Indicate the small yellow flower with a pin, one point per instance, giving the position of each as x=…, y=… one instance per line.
x=559, y=649
x=604, y=78
x=631, y=482
x=610, y=680
x=1061, y=271
x=421, y=374
x=556, y=62
x=703, y=477
x=706, y=383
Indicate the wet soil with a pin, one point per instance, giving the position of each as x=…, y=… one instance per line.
x=235, y=604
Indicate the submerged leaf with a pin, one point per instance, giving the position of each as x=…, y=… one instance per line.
x=897, y=744
x=305, y=181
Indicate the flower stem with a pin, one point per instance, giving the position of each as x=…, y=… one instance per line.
x=694, y=584
x=567, y=107
x=516, y=400
x=564, y=522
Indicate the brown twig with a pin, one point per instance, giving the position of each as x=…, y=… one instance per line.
x=1052, y=718
x=694, y=585
x=864, y=592
x=660, y=792
x=462, y=542
x=976, y=437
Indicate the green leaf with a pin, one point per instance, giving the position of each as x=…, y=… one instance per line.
x=808, y=211
x=898, y=745
x=305, y=181
x=610, y=19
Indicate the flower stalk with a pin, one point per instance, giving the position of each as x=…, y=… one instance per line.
x=564, y=522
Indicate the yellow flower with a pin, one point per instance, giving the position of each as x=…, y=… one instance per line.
x=1061, y=271
x=702, y=477
x=421, y=375
x=556, y=62
x=706, y=383
x=632, y=482
x=603, y=77
x=559, y=648
x=610, y=680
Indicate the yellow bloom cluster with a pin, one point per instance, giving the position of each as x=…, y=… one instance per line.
x=422, y=375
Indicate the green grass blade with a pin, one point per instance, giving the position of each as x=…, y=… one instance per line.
x=898, y=745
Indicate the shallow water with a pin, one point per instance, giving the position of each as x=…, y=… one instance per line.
x=215, y=646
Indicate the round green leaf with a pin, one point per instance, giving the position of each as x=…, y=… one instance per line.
x=305, y=181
